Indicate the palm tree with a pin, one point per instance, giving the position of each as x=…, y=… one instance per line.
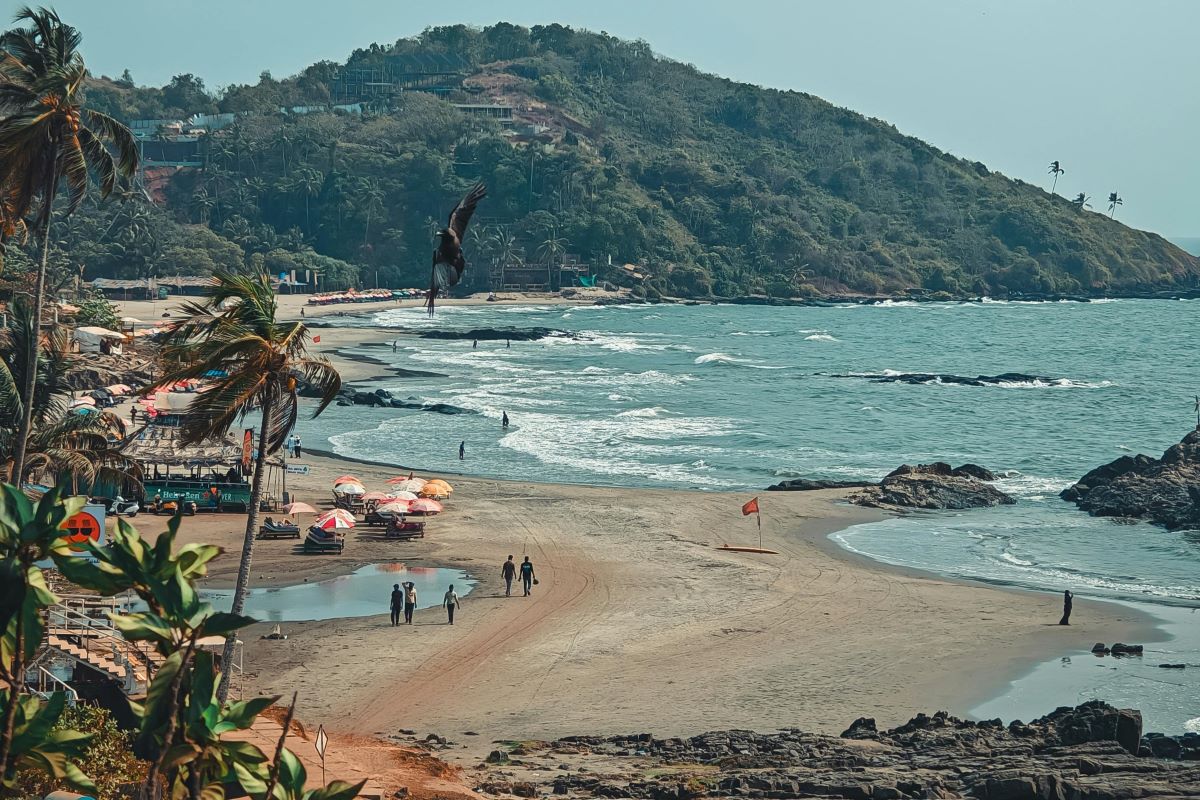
x=307, y=184
x=552, y=248
x=80, y=446
x=234, y=333
x=1114, y=200
x=1055, y=170
x=48, y=139
x=1081, y=201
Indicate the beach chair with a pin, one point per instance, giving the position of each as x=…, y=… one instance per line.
x=278, y=530
x=401, y=528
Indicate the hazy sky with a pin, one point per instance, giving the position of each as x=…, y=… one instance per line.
x=1106, y=87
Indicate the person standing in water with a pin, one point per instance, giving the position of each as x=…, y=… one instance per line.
x=410, y=601
x=450, y=601
x=508, y=571
x=474, y=343
x=462, y=450
x=527, y=576
x=397, y=604
x=504, y=420
x=1068, y=601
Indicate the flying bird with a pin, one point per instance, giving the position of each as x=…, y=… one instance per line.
x=448, y=260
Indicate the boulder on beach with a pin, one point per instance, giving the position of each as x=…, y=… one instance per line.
x=1164, y=491
x=811, y=485
x=934, y=486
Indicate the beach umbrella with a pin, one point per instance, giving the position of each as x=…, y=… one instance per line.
x=83, y=401
x=433, y=490
x=425, y=506
x=346, y=479
x=439, y=482
x=376, y=496
x=337, y=518
x=299, y=508
x=349, y=488
x=402, y=495
x=395, y=507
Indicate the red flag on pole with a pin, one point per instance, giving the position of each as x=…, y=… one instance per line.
x=750, y=508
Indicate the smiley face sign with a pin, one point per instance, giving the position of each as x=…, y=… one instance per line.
x=83, y=527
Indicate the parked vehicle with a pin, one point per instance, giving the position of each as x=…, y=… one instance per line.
x=118, y=506
x=176, y=506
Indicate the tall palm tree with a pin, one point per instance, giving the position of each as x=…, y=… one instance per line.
x=1055, y=170
x=234, y=333
x=48, y=140
x=552, y=249
x=307, y=184
x=1114, y=200
x=1081, y=201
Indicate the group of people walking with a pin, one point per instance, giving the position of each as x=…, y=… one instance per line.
x=292, y=445
x=404, y=595
x=404, y=601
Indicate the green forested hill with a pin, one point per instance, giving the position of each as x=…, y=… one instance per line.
x=711, y=186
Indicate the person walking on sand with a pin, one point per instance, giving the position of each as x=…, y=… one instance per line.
x=296, y=447
x=397, y=604
x=1068, y=601
x=410, y=601
x=462, y=450
x=450, y=601
x=504, y=420
x=290, y=445
x=508, y=571
x=527, y=576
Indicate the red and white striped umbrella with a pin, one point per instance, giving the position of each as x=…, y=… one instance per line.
x=337, y=518
x=395, y=507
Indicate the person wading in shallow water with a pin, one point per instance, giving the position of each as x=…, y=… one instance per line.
x=1068, y=599
x=462, y=450
x=504, y=420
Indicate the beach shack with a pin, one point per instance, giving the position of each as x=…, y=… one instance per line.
x=215, y=475
x=94, y=339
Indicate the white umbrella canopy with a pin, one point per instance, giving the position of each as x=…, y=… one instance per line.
x=349, y=488
x=402, y=495
x=413, y=485
x=395, y=507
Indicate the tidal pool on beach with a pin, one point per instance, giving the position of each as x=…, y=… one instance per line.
x=362, y=593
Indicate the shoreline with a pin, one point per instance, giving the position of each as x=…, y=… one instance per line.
x=639, y=623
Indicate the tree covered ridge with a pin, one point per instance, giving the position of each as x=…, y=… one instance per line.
x=711, y=186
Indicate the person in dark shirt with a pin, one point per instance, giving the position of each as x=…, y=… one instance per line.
x=504, y=420
x=508, y=571
x=527, y=576
x=1068, y=601
x=397, y=604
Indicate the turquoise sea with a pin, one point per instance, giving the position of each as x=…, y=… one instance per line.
x=738, y=397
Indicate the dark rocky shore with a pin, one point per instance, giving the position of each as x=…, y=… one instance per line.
x=1091, y=752
x=1006, y=378
x=933, y=486
x=1164, y=491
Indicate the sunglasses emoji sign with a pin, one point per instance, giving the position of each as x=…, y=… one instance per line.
x=83, y=527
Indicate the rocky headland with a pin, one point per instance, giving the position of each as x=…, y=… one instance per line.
x=1091, y=752
x=935, y=486
x=1164, y=491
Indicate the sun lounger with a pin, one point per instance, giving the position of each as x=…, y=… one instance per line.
x=405, y=529
x=319, y=541
x=276, y=530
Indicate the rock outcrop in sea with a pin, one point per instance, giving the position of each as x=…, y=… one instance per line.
x=1091, y=752
x=495, y=334
x=930, y=486
x=1164, y=491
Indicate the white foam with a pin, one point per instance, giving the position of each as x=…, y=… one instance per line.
x=643, y=412
x=719, y=358
x=820, y=337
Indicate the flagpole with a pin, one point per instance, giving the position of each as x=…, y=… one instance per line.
x=758, y=516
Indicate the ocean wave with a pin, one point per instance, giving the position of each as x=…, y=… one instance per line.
x=819, y=337
x=593, y=370
x=618, y=398
x=726, y=360
x=1192, y=725
x=644, y=412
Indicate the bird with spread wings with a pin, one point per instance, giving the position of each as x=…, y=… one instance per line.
x=448, y=260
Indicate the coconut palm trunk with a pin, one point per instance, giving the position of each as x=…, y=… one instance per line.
x=30, y=383
x=242, y=587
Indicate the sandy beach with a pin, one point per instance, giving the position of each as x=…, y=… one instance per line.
x=639, y=623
